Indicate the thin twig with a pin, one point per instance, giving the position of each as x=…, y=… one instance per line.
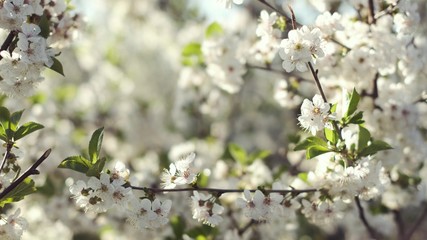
x=317, y=81
x=31, y=171
x=372, y=233
x=275, y=9
x=417, y=223
x=220, y=191
x=371, y=19
x=246, y=227
x=6, y=155
x=293, y=18
x=340, y=44
x=322, y=93
x=281, y=72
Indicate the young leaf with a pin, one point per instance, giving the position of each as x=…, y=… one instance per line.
x=352, y=103
x=303, y=176
x=95, y=144
x=214, y=29
x=44, y=26
x=331, y=136
x=357, y=118
x=238, y=153
x=25, y=188
x=364, y=137
x=48, y=189
x=26, y=129
x=376, y=146
x=76, y=163
x=177, y=223
x=191, y=49
x=96, y=169
x=258, y=155
x=57, y=66
x=3, y=135
x=316, y=150
x=4, y=117
x=311, y=141
x=14, y=119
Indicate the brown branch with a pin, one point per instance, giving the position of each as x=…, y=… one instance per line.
x=9, y=146
x=372, y=233
x=278, y=71
x=417, y=223
x=219, y=191
x=31, y=171
x=7, y=42
x=246, y=227
x=371, y=18
x=319, y=87
x=400, y=225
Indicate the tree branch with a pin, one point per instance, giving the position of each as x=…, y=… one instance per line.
x=31, y=171
x=417, y=223
x=400, y=225
x=6, y=155
x=319, y=87
x=372, y=233
x=371, y=19
x=219, y=191
x=7, y=42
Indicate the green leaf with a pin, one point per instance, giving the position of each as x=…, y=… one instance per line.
x=202, y=180
x=356, y=118
x=14, y=119
x=76, y=163
x=3, y=135
x=294, y=138
x=331, y=136
x=364, y=138
x=214, y=29
x=334, y=108
x=258, y=155
x=202, y=231
x=9, y=134
x=96, y=169
x=303, y=176
x=57, y=66
x=316, y=150
x=353, y=101
x=26, y=129
x=311, y=141
x=44, y=26
x=191, y=49
x=95, y=144
x=178, y=226
x=25, y=188
x=376, y=146
x=192, y=54
x=238, y=153
x=4, y=117
x=48, y=189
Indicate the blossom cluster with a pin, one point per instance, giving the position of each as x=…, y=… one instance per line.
x=22, y=63
x=223, y=99
x=110, y=191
